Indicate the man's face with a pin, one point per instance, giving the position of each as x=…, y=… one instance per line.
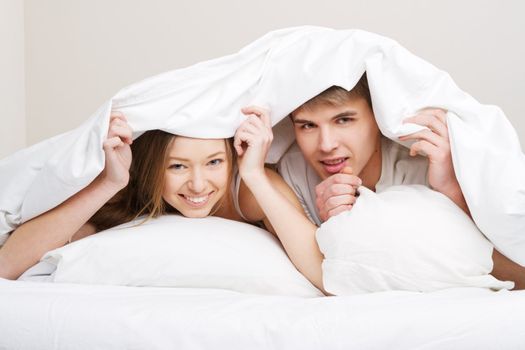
x=332, y=137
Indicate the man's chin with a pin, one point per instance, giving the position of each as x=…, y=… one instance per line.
x=322, y=173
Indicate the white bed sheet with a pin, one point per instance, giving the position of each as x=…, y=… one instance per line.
x=66, y=316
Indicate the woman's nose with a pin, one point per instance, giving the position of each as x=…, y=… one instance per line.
x=197, y=182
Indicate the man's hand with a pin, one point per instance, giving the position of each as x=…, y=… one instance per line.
x=434, y=144
x=337, y=193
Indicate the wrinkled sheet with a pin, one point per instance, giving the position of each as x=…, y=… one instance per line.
x=66, y=316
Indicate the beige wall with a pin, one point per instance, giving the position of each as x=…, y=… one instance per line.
x=12, y=99
x=79, y=53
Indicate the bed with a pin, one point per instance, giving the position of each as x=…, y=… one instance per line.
x=72, y=316
x=207, y=288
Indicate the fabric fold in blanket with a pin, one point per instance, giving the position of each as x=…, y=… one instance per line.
x=280, y=71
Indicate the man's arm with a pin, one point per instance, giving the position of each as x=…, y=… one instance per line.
x=434, y=143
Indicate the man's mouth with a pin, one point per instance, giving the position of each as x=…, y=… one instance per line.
x=197, y=201
x=334, y=165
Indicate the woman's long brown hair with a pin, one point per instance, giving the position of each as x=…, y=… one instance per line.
x=143, y=194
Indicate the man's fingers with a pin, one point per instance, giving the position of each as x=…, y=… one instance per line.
x=440, y=113
x=347, y=170
x=428, y=136
x=336, y=201
x=339, y=189
x=431, y=121
x=423, y=148
x=346, y=179
x=325, y=207
x=340, y=209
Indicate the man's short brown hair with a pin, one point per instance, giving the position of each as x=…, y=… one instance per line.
x=336, y=96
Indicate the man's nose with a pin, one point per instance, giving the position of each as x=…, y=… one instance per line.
x=328, y=142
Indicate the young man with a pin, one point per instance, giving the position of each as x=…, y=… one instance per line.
x=339, y=147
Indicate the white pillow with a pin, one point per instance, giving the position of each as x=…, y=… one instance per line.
x=174, y=251
x=404, y=238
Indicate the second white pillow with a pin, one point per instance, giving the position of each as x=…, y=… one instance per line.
x=405, y=238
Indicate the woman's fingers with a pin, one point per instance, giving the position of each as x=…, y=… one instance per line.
x=237, y=143
x=260, y=112
x=122, y=131
x=251, y=128
x=118, y=126
x=111, y=144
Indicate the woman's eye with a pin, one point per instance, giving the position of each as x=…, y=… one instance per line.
x=176, y=166
x=214, y=162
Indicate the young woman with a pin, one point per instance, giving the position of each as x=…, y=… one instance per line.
x=170, y=174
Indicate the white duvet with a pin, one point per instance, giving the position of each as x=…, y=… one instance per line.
x=280, y=71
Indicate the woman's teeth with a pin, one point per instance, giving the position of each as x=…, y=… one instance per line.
x=197, y=199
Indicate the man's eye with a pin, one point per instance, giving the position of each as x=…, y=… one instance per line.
x=344, y=120
x=176, y=166
x=307, y=126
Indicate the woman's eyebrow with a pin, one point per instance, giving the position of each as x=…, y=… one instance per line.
x=178, y=158
x=216, y=154
x=188, y=160
x=301, y=121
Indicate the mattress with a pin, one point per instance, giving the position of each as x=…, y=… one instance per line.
x=41, y=315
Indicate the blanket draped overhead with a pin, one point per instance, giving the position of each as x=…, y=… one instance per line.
x=280, y=71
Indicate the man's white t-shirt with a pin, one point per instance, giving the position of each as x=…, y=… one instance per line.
x=398, y=168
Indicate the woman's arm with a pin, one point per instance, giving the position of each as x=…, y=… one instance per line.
x=274, y=198
x=29, y=242
x=53, y=229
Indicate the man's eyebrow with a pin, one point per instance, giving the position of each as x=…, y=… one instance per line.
x=345, y=114
x=339, y=115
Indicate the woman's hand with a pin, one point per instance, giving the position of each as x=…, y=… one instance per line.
x=252, y=141
x=435, y=145
x=118, y=152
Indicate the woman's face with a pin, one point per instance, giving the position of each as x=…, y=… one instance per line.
x=196, y=175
